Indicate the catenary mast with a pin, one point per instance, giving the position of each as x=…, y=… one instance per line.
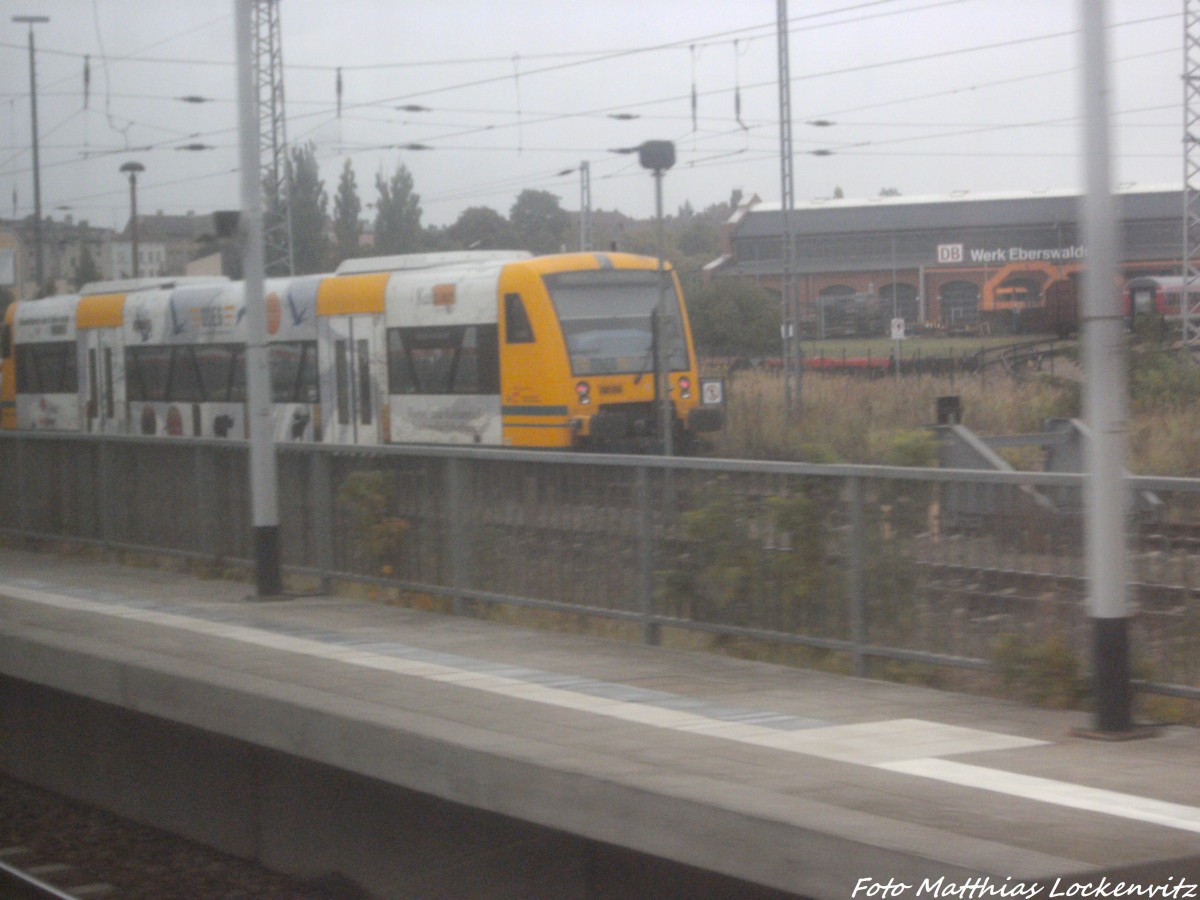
x=273, y=146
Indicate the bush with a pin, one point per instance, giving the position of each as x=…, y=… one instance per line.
x=1045, y=672
x=365, y=499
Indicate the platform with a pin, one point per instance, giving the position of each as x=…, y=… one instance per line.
x=808, y=783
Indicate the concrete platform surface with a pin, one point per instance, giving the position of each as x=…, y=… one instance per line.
x=820, y=785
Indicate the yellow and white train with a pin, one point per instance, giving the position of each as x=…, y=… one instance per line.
x=487, y=348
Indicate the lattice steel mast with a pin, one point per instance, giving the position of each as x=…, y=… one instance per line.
x=585, y=207
x=273, y=146
x=1191, y=168
x=791, y=368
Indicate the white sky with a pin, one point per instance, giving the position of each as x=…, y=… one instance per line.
x=927, y=96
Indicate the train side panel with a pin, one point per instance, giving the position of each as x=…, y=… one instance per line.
x=292, y=347
x=100, y=319
x=350, y=312
x=443, y=366
x=46, y=357
x=535, y=376
x=185, y=366
x=8, y=371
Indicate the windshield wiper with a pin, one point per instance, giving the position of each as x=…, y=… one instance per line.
x=652, y=355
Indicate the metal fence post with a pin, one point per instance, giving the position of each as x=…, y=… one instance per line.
x=321, y=515
x=205, y=474
x=22, y=489
x=105, y=503
x=651, y=630
x=858, y=594
x=458, y=531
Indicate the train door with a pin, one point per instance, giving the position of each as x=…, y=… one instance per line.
x=351, y=351
x=104, y=371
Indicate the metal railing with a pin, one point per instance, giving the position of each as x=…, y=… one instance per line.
x=916, y=572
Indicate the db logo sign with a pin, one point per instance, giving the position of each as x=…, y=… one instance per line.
x=950, y=253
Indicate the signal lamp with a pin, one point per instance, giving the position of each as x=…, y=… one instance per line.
x=584, y=390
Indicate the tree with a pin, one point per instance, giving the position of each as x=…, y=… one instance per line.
x=347, y=226
x=540, y=223
x=86, y=269
x=308, y=202
x=397, y=214
x=734, y=317
x=438, y=240
x=481, y=227
x=889, y=192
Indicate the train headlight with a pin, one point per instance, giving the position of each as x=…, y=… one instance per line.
x=583, y=391
x=685, y=387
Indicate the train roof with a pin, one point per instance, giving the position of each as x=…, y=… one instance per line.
x=1168, y=282
x=129, y=285
x=413, y=261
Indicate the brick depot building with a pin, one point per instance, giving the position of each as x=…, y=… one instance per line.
x=965, y=260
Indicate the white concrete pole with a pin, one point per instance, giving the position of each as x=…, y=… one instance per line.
x=263, y=486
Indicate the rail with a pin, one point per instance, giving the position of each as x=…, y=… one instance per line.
x=18, y=884
x=857, y=568
x=1022, y=358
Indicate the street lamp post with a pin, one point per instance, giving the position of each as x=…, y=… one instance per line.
x=659, y=156
x=37, y=169
x=133, y=168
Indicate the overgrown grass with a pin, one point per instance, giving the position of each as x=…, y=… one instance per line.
x=855, y=419
x=860, y=420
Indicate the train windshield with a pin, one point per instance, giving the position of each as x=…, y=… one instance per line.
x=607, y=320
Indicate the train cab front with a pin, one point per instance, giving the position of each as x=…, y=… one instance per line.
x=636, y=425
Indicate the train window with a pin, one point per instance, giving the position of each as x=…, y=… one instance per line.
x=294, y=372
x=220, y=369
x=185, y=383
x=607, y=320
x=109, y=401
x=517, y=328
x=184, y=374
x=147, y=372
x=455, y=360
x=365, y=403
x=342, y=376
x=478, y=368
x=47, y=368
x=93, y=385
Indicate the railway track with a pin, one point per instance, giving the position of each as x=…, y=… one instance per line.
x=25, y=875
x=53, y=847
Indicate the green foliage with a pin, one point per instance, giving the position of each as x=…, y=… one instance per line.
x=734, y=317
x=397, y=214
x=347, y=226
x=905, y=504
x=1045, y=672
x=482, y=228
x=86, y=269
x=364, y=498
x=756, y=563
x=309, y=202
x=539, y=222
x=1161, y=377
x=918, y=449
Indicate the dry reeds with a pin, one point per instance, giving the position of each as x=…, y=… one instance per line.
x=855, y=419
